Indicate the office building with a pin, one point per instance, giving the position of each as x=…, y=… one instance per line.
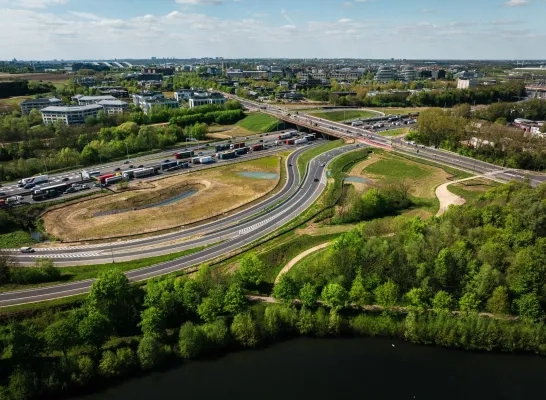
x=86, y=100
x=384, y=74
x=38, y=104
x=113, y=106
x=204, y=98
x=466, y=83
x=69, y=115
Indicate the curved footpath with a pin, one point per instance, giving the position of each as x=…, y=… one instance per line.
x=300, y=256
x=306, y=194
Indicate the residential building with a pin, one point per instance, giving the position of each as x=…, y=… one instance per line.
x=384, y=74
x=38, y=104
x=466, y=83
x=536, y=91
x=69, y=114
x=86, y=100
x=203, y=98
x=113, y=106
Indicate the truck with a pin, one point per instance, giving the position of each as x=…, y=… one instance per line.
x=241, y=151
x=227, y=155
x=49, y=192
x=206, y=160
x=35, y=180
x=289, y=141
x=196, y=160
x=183, y=154
x=113, y=179
x=169, y=164
x=143, y=172
x=300, y=141
x=286, y=135
x=310, y=137
x=129, y=174
x=357, y=123
x=222, y=147
x=257, y=147
x=237, y=145
x=184, y=164
x=102, y=178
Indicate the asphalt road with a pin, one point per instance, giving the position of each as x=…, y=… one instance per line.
x=12, y=189
x=306, y=193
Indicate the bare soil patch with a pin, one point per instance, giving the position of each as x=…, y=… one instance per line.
x=220, y=190
x=46, y=77
x=227, y=131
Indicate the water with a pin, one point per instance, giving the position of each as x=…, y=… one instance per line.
x=171, y=200
x=357, y=179
x=259, y=175
x=361, y=368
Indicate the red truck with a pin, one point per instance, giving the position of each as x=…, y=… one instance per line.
x=289, y=141
x=102, y=178
x=239, y=145
x=257, y=147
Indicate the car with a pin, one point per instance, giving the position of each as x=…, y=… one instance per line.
x=65, y=179
x=117, y=169
x=84, y=187
x=3, y=194
x=126, y=162
x=261, y=140
x=70, y=190
x=96, y=184
x=131, y=166
x=323, y=164
x=26, y=250
x=289, y=165
x=140, y=166
x=29, y=186
x=167, y=160
x=200, y=153
x=316, y=179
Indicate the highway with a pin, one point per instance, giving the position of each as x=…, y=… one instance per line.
x=12, y=189
x=233, y=238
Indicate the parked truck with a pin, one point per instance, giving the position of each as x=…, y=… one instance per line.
x=310, y=137
x=102, y=178
x=222, y=147
x=184, y=154
x=34, y=180
x=300, y=141
x=167, y=165
x=228, y=155
x=290, y=141
x=143, y=172
x=257, y=147
x=286, y=135
x=49, y=192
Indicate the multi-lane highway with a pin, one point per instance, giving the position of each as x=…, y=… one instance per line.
x=300, y=196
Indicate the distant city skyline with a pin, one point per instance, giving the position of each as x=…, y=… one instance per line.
x=374, y=29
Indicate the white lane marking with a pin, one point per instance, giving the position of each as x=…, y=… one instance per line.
x=66, y=255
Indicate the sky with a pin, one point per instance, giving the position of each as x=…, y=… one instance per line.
x=411, y=29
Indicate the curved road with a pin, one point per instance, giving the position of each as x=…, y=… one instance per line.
x=233, y=238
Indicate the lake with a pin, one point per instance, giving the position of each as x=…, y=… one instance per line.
x=360, y=368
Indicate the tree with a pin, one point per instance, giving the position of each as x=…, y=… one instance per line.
x=469, y=303
x=499, y=302
x=216, y=332
x=112, y=296
x=190, y=340
x=85, y=370
x=529, y=309
x=150, y=352
x=62, y=335
x=285, y=289
x=442, y=302
x=6, y=262
x=250, y=272
x=212, y=305
x=160, y=294
x=243, y=329
x=415, y=299
x=191, y=294
x=23, y=384
x=334, y=296
x=386, y=295
x=235, y=300
x=306, y=322
x=308, y=295
x=358, y=293
x=153, y=322
x=23, y=341
x=94, y=329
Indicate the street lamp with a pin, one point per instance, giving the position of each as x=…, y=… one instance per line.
x=127, y=149
x=45, y=165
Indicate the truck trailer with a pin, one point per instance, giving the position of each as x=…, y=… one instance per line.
x=300, y=141
x=290, y=141
x=169, y=164
x=257, y=147
x=222, y=147
x=102, y=178
x=113, y=179
x=143, y=172
x=206, y=160
x=35, y=180
x=286, y=135
x=184, y=154
x=241, y=151
x=228, y=155
x=310, y=137
x=239, y=145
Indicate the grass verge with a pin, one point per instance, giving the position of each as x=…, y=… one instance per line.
x=259, y=122
x=15, y=239
x=80, y=273
x=473, y=189
x=338, y=116
x=308, y=155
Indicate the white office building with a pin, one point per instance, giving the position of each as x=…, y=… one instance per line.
x=466, y=83
x=204, y=98
x=69, y=115
x=148, y=105
x=38, y=104
x=86, y=100
x=409, y=74
x=113, y=106
x=384, y=74
x=183, y=94
x=140, y=99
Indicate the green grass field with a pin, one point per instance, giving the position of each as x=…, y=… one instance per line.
x=308, y=155
x=15, y=239
x=397, y=111
x=337, y=116
x=259, y=122
x=473, y=189
x=394, y=132
x=393, y=169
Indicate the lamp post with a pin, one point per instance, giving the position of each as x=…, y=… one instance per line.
x=127, y=149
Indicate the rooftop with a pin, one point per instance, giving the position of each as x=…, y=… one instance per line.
x=112, y=103
x=42, y=100
x=95, y=98
x=71, y=108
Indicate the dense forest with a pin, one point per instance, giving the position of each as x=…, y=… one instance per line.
x=22, y=87
x=29, y=147
x=485, y=134
x=427, y=281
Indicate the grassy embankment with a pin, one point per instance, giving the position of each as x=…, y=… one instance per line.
x=394, y=132
x=250, y=125
x=314, y=151
x=399, y=111
x=473, y=189
x=338, y=115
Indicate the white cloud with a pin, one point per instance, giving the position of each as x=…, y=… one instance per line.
x=516, y=3
x=38, y=3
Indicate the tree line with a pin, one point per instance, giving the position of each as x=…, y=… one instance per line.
x=22, y=87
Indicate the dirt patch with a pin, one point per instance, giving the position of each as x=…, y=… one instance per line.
x=221, y=190
x=227, y=131
x=46, y=77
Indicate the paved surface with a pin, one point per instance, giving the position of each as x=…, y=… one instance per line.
x=300, y=256
x=448, y=198
x=233, y=238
